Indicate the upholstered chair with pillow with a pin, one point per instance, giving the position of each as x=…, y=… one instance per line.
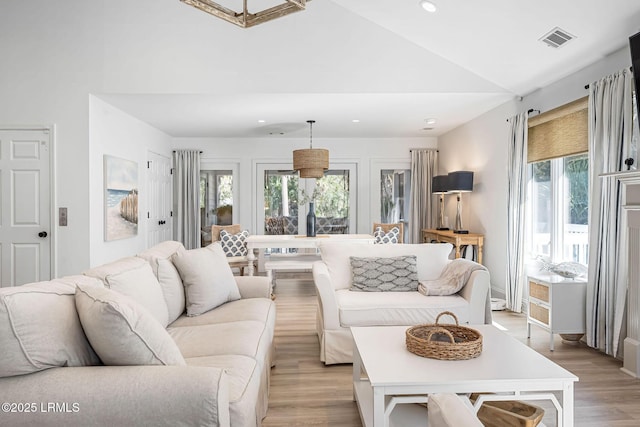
x=388, y=233
x=233, y=240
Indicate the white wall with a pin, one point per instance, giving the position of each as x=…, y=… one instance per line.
x=366, y=153
x=481, y=146
x=55, y=54
x=115, y=133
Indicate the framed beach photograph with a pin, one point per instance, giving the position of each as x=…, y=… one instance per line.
x=120, y=198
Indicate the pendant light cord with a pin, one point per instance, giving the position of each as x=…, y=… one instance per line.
x=311, y=122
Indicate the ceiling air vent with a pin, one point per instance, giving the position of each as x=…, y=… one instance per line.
x=556, y=37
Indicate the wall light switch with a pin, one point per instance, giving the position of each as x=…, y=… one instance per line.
x=62, y=217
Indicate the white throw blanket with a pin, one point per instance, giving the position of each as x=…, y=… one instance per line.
x=453, y=278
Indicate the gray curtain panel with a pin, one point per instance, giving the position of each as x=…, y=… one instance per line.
x=186, y=181
x=424, y=166
x=516, y=205
x=610, y=135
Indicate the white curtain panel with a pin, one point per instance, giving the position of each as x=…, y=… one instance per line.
x=516, y=206
x=424, y=166
x=186, y=181
x=610, y=134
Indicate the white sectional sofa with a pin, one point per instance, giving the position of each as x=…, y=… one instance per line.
x=340, y=308
x=216, y=374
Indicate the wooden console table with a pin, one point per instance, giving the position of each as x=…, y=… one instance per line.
x=457, y=240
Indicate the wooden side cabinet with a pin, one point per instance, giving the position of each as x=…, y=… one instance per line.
x=557, y=304
x=457, y=240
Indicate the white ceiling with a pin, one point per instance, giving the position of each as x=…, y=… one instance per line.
x=465, y=59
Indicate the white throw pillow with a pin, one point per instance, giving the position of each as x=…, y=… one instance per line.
x=40, y=328
x=121, y=331
x=234, y=244
x=133, y=276
x=207, y=278
x=390, y=236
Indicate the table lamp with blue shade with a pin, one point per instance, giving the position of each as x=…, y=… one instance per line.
x=440, y=186
x=460, y=182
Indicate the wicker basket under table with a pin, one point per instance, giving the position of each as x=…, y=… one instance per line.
x=444, y=341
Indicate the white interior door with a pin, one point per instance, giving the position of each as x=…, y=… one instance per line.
x=160, y=199
x=25, y=207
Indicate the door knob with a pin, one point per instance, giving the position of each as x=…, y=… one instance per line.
x=42, y=234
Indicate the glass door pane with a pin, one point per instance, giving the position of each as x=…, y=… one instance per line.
x=281, y=202
x=541, y=214
x=216, y=197
x=331, y=201
x=576, y=209
x=395, y=188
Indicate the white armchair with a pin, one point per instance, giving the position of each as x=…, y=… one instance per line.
x=339, y=308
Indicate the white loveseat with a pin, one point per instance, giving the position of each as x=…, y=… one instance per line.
x=51, y=376
x=339, y=308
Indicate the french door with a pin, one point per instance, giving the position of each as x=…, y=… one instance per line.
x=282, y=199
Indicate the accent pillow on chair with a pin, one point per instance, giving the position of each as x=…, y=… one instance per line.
x=397, y=274
x=391, y=236
x=234, y=244
x=207, y=277
x=121, y=331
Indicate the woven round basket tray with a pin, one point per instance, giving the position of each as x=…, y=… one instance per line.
x=444, y=341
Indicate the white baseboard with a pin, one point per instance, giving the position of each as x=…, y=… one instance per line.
x=631, y=364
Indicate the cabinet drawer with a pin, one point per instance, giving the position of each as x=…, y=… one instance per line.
x=539, y=313
x=538, y=291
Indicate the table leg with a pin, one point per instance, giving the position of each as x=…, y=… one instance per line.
x=379, y=418
x=480, y=253
x=567, y=406
x=457, y=251
x=250, y=257
x=551, y=347
x=528, y=329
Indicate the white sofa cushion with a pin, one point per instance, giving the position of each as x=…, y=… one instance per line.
x=396, y=308
x=121, y=331
x=133, y=276
x=159, y=257
x=40, y=328
x=431, y=258
x=207, y=278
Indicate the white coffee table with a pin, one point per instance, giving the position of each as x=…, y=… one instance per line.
x=385, y=373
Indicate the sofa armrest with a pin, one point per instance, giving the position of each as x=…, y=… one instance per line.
x=327, y=295
x=118, y=395
x=254, y=286
x=477, y=292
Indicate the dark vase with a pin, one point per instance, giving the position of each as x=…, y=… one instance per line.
x=311, y=221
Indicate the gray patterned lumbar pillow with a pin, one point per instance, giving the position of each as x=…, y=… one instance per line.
x=389, y=237
x=234, y=244
x=397, y=274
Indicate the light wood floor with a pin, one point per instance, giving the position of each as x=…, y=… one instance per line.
x=306, y=392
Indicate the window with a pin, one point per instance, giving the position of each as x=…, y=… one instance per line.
x=558, y=207
x=558, y=190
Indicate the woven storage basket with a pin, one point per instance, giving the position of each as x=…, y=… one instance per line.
x=443, y=341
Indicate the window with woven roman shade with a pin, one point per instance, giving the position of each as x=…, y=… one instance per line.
x=560, y=132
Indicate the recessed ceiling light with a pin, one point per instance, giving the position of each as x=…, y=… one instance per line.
x=427, y=5
x=261, y=121
x=430, y=121
x=355, y=121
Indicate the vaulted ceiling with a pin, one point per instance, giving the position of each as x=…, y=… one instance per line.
x=360, y=68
